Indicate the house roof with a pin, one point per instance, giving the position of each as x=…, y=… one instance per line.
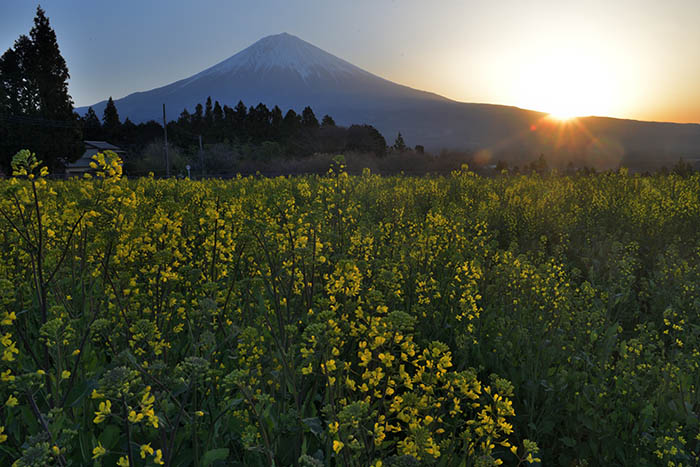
x=92, y=148
x=102, y=145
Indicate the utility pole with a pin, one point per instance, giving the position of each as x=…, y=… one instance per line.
x=201, y=155
x=165, y=132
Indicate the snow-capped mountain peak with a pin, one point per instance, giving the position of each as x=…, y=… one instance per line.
x=284, y=52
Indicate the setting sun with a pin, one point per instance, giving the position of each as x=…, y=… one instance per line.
x=567, y=82
x=562, y=116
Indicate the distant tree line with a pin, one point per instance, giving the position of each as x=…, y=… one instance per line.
x=265, y=133
x=36, y=111
x=682, y=168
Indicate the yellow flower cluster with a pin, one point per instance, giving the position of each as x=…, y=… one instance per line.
x=356, y=320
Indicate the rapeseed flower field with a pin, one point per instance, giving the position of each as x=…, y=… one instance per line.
x=349, y=320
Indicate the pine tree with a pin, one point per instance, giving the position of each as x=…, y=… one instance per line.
x=198, y=119
x=308, y=119
x=258, y=122
x=218, y=113
x=208, y=117
x=399, y=144
x=12, y=84
x=365, y=138
x=128, y=130
x=327, y=121
x=290, y=124
x=110, y=120
x=217, y=127
x=240, y=114
x=49, y=70
x=276, y=123
x=34, y=83
x=184, y=120
x=92, y=128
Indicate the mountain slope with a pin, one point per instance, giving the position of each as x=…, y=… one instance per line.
x=286, y=71
x=277, y=70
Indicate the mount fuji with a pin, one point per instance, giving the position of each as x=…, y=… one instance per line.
x=289, y=72
x=280, y=70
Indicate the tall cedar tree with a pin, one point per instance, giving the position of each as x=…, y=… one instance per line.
x=110, y=120
x=239, y=121
x=35, y=108
x=217, y=125
x=208, y=113
x=308, y=119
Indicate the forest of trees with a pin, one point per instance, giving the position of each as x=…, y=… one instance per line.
x=36, y=111
x=254, y=133
x=296, y=135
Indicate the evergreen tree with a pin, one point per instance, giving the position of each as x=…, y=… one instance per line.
x=128, y=131
x=92, y=128
x=12, y=85
x=258, y=123
x=240, y=115
x=276, y=120
x=49, y=70
x=366, y=138
x=308, y=119
x=28, y=97
x=208, y=117
x=217, y=127
x=327, y=121
x=35, y=102
x=198, y=119
x=184, y=120
x=110, y=120
x=291, y=123
x=218, y=113
x=399, y=144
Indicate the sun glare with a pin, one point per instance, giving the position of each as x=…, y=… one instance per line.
x=562, y=116
x=565, y=83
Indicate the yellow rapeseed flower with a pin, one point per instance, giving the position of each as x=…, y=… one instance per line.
x=104, y=409
x=98, y=451
x=135, y=417
x=11, y=401
x=146, y=449
x=8, y=318
x=337, y=446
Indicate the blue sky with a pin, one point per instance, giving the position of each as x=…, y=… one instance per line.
x=635, y=59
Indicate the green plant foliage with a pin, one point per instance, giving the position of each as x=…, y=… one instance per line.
x=348, y=321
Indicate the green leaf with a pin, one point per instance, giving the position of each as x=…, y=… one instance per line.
x=110, y=436
x=214, y=455
x=568, y=442
x=314, y=424
x=79, y=391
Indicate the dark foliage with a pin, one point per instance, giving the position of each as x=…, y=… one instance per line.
x=36, y=111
